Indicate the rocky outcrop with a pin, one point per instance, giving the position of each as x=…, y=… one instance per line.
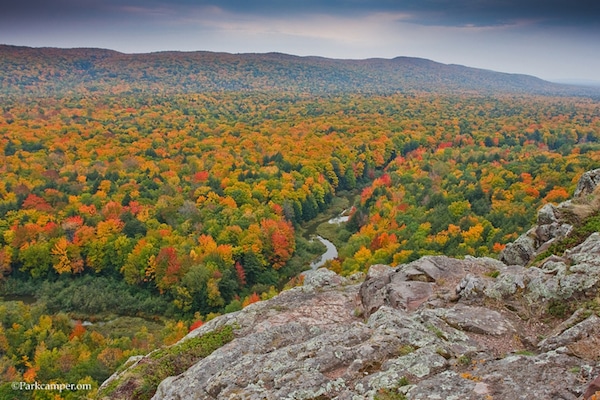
x=521, y=251
x=587, y=183
x=550, y=228
x=555, y=223
x=435, y=328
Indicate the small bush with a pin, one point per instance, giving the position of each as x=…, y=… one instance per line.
x=558, y=309
x=406, y=349
x=493, y=274
x=464, y=360
x=389, y=394
x=142, y=380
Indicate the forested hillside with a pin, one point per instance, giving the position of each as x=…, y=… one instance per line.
x=180, y=203
x=49, y=72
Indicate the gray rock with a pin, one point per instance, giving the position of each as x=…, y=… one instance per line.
x=408, y=295
x=471, y=287
x=487, y=262
x=131, y=362
x=308, y=343
x=587, y=183
x=521, y=251
x=477, y=320
x=554, y=265
x=320, y=278
x=579, y=315
x=586, y=252
x=547, y=376
x=511, y=280
x=314, y=338
x=548, y=214
x=448, y=385
x=373, y=291
x=588, y=328
x=410, y=285
x=554, y=231
x=432, y=269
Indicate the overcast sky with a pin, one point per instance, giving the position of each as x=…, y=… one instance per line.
x=551, y=39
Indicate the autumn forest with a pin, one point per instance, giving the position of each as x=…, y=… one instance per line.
x=129, y=217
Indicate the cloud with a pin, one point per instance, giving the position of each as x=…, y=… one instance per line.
x=432, y=12
x=144, y=12
x=423, y=12
x=361, y=29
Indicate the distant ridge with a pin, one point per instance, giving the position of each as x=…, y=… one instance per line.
x=53, y=71
x=578, y=82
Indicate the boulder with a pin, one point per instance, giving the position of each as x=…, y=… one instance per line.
x=548, y=214
x=578, y=336
x=521, y=251
x=551, y=232
x=470, y=287
x=408, y=295
x=587, y=183
x=587, y=252
x=477, y=320
x=373, y=291
x=320, y=278
x=432, y=269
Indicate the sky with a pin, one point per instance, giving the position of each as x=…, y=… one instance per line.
x=550, y=39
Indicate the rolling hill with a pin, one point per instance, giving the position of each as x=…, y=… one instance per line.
x=52, y=71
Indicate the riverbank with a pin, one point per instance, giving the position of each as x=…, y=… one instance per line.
x=323, y=231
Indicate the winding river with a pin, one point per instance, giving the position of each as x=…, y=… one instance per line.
x=331, y=252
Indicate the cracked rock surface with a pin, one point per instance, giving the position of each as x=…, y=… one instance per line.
x=333, y=338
